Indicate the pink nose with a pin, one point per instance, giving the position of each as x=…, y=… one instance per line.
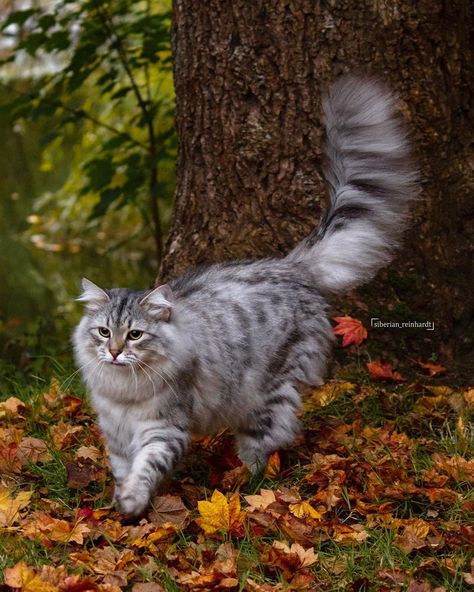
x=115, y=353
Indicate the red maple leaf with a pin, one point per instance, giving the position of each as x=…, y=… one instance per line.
x=383, y=371
x=352, y=330
x=432, y=368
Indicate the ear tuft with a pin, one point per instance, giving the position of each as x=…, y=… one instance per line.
x=94, y=296
x=159, y=301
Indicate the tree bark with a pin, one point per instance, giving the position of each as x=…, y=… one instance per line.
x=249, y=79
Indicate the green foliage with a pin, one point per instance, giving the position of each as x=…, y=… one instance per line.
x=101, y=72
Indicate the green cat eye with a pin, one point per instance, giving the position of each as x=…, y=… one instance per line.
x=104, y=332
x=134, y=334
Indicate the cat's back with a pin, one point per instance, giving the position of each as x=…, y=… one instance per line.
x=256, y=305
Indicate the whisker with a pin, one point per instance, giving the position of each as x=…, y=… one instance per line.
x=71, y=376
x=160, y=376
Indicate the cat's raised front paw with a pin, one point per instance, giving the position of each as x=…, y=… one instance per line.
x=131, y=501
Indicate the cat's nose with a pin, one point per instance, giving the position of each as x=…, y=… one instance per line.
x=115, y=353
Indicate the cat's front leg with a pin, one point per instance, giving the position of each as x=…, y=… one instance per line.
x=156, y=448
x=120, y=470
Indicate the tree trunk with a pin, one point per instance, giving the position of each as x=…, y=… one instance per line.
x=249, y=79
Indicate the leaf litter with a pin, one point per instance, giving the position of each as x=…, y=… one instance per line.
x=355, y=489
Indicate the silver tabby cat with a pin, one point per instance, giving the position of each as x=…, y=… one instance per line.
x=227, y=345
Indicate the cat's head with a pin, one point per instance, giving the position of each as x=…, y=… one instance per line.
x=121, y=328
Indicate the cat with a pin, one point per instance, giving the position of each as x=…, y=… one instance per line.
x=226, y=345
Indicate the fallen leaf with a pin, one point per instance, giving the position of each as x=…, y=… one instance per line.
x=148, y=587
x=348, y=535
x=326, y=394
x=261, y=501
x=273, y=466
x=169, y=508
x=289, y=559
x=78, y=476
x=33, y=450
x=352, y=330
x=10, y=506
x=383, y=371
x=304, y=510
x=457, y=467
x=219, y=514
x=11, y=407
x=432, y=368
x=64, y=434
x=22, y=577
x=88, y=453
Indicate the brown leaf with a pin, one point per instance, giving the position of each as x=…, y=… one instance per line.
x=169, y=508
x=289, y=559
x=78, y=477
x=352, y=330
x=457, y=467
x=33, y=450
x=64, y=434
x=89, y=453
x=148, y=587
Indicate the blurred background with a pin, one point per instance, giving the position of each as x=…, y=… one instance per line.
x=86, y=166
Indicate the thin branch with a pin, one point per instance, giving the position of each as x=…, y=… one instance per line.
x=80, y=113
x=153, y=147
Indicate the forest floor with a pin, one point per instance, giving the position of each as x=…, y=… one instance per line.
x=376, y=495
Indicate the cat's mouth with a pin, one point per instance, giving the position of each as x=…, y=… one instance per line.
x=117, y=363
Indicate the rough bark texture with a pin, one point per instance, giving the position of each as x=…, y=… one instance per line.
x=249, y=78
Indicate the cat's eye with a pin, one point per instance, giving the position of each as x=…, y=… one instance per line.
x=104, y=332
x=134, y=334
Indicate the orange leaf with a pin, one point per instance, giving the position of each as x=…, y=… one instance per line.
x=352, y=330
x=273, y=466
x=431, y=368
x=383, y=371
x=21, y=576
x=11, y=407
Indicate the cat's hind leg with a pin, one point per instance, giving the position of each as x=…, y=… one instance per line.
x=270, y=426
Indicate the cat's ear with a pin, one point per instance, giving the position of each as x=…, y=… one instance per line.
x=92, y=295
x=160, y=301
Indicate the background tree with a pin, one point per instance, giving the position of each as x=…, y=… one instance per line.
x=249, y=81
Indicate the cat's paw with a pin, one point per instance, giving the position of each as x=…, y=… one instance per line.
x=132, y=500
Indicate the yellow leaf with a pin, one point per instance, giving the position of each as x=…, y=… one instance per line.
x=215, y=514
x=21, y=576
x=304, y=510
x=326, y=394
x=11, y=506
x=65, y=532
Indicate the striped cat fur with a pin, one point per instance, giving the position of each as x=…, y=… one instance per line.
x=226, y=345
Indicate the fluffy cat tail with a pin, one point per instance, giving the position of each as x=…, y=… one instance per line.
x=371, y=182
